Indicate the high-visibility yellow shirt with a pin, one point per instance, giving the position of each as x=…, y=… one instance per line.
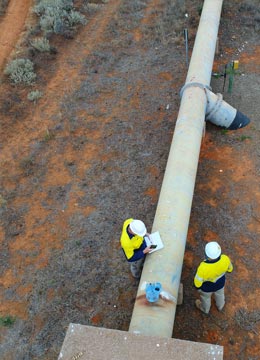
x=130, y=245
x=212, y=272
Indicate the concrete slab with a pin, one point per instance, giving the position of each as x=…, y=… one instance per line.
x=93, y=343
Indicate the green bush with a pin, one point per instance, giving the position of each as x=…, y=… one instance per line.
x=58, y=16
x=92, y=7
x=34, y=95
x=41, y=44
x=21, y=71
x=75, y=18
x=7, y=320
x=45, y=5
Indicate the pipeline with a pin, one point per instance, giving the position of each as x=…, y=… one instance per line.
x=173, y=210
x=222, y=114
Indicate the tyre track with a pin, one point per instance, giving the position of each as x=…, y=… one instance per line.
x=12, y=26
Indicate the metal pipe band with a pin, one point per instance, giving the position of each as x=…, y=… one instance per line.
x=174, y=205
x=197, y=84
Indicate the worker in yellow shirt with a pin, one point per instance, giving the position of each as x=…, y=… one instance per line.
x=210, y=277
x=134, y=245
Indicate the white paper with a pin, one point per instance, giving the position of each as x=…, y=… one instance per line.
x=155, y=239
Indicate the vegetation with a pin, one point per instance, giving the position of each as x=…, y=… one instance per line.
x=92, y=7
x=55, y=17
x=34, y=95
x=243, y=137
x=58, y=16
x=2, y=201
x=21, y=71
x=27, y=165
x=7, y=320
x=3, y=6
x=48, y=135
x=224, y=131
x=41, y=44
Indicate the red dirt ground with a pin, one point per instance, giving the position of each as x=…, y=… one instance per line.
x=65, y=165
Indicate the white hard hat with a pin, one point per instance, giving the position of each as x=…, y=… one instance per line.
x=138, y=227
x=212, y=250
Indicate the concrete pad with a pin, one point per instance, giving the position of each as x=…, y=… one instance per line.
x=93, y=343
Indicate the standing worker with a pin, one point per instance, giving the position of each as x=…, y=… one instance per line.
x=134, y=245
x=210, y=277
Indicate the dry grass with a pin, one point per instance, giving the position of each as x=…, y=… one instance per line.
x=248, y=321
x=3, y=6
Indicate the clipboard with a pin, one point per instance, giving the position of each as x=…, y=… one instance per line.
x=155, y=240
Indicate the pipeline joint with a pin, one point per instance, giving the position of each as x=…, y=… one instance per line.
x=152, y=291
x=213, y=107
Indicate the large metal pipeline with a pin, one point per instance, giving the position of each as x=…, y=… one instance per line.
x=175, y=200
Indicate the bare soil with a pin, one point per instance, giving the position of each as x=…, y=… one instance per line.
x=92, y=152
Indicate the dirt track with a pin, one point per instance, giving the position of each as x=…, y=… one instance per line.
x=12, y=26
x=93, y=152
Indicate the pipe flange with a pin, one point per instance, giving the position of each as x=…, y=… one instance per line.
x=196, y=84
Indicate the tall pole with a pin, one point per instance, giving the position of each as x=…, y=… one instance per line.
x=175, y=200
x=186, y=46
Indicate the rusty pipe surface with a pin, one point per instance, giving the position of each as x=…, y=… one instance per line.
x=175, y=200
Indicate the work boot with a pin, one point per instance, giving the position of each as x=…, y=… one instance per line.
x=199, y=306
x=136, y=276
x=220, y=309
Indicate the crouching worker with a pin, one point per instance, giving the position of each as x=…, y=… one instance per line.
x=210, y=277
x=134, y=245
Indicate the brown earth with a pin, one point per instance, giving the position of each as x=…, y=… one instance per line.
x=92, y=152
x=14, y=19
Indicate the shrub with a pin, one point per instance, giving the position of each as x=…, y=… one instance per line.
x=27, y=164
x=75, y=18
x=41, y=44
x=20, y=71
x=34, y=95
x=3, y=202
x=58, y=16
x=43, y=6
x=7, y=320
x=48, y=135
x=3, y=6
x=92, y=7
